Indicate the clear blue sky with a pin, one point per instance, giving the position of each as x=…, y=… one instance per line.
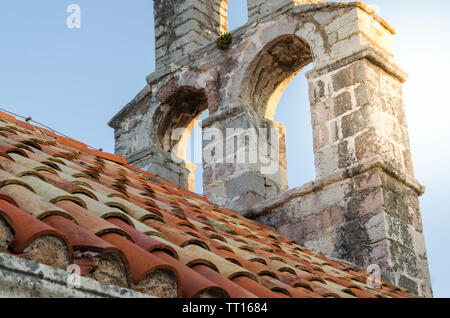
x=75, y=80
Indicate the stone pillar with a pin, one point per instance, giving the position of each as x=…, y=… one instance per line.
x=182, y=26
x=244, y=158
x=358, y=114
x=358, y=119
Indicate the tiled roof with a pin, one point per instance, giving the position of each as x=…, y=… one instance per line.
x=62, y=203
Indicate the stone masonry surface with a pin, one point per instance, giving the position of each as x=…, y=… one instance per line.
x=21, y=278
x=364, y=205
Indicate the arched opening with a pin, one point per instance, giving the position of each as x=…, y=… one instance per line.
x=276, y=89
x=194, y=151
x=293, y=111
x=174, y=122
x=272, y=70
x=233, y=14
x=177, y=118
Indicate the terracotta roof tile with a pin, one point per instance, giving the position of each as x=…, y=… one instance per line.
x=26, y=228
x=150, y=235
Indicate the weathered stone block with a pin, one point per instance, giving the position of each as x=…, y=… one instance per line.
x=350, y=75
x=357, y=121
x=244, y=183
x=342, y=104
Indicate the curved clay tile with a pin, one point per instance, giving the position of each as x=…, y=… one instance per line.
x=147, y=272
x=136, y=212
x=79, y=238
x=331, y=262
x=299, y=292
x=179, y=222
x=256, y=288
x=49, y=150
x=111, y=182
x=25, y=125
x=209, y=233
x=50, y=192
x=136, y=199
x=186, y=257
x=85, y=158
x=144, y=241
x=342, y=282
x=7, y=149
x=176, y=236
x=67, y=186
x=226, y=268
x=141, y=227
x=233, y=289
x=360, y=293
x=32, y=203
x=74, y=177
x=245, y=254
x=7, y=198
x=89, y=221
x=94, y=255
x=219, y=245
x=66, y=166
x=193, y=285
x=52, y=248
x=104, y=211
x=325, y=290
x=294, y=281
x=276, y=286
x=8, y=179
x=255, y=267
x=27, y=163
x=99, y=187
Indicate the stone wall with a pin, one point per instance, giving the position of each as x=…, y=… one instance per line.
x=20, y=278
x=365, y=215
x=357, y=115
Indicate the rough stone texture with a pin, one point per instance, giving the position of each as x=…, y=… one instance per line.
x=166, y=165
x=6, y=235
x=48, y=250
x=109, y=269
x=369, y=218
x=357, y=116
x=160, y=283
x=20, y=278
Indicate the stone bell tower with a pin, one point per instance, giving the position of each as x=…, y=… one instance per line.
x=363, y=206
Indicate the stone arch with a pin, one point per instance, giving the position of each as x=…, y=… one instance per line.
x=175, y=117
x=268, y=75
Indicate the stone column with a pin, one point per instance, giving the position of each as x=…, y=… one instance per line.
x=358, y=114
x=182, y=26
x=244, y=158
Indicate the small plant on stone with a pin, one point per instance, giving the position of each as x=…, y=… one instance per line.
x=224, y=41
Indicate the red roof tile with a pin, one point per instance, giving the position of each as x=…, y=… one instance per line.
x=128, y=227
